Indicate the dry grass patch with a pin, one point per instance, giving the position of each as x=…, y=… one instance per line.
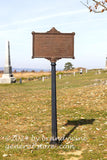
x=25, y=119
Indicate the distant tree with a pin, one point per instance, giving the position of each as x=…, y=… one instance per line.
x=98, y=6
x=15, y=71
x=68, y=66
x=33, y=71
x=1, y=71
x=23, y=71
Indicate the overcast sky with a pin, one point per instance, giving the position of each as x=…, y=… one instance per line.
x=18, y=18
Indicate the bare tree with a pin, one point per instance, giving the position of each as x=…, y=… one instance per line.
x=97, y=6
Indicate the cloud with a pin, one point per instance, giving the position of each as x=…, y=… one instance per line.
x=68, y=13
x=19, y=25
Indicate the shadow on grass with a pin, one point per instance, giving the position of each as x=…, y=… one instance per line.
x=76, y=123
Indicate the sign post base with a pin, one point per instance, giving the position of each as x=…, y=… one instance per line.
x=54, y=142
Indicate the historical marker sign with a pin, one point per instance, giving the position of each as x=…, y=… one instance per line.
x=53, y=45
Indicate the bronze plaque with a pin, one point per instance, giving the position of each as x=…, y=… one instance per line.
x=53, y=45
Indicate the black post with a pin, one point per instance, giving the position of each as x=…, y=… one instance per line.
x=54, y=139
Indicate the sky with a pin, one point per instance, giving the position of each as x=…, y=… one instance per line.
x=18, y=18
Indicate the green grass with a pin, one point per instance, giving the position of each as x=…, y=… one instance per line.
x=25, y=118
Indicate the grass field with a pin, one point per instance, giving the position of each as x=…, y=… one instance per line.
x=25, y=118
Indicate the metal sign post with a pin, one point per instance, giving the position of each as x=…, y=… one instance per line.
x=54, y=139
x=53, y=45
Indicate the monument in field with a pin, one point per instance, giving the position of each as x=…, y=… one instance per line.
x=106, y=64
x=7, y=77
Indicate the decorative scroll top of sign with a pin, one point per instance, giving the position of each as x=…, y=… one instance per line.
x=53, y=30
x=53, y=45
